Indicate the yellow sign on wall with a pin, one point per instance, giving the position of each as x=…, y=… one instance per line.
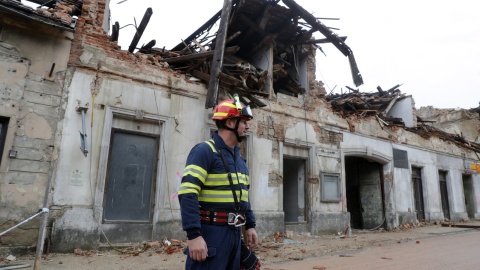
x=475, y=167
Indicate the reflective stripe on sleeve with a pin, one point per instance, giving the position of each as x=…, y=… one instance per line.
x=188, y=188
x=195, y=171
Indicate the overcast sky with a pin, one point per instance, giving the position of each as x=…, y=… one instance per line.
x=430, y=47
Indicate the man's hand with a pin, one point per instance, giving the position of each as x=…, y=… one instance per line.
x=252, y=238
x=197, y=249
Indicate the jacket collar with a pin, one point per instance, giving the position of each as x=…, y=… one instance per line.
x=221, y=144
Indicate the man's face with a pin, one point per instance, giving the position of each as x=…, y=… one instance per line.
x=243, y=126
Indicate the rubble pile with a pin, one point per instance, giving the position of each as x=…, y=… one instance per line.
x=360, y=105
x=165, y=247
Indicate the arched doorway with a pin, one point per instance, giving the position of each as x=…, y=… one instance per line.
x=364, y=190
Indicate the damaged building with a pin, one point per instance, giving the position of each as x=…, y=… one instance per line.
x=103, y=148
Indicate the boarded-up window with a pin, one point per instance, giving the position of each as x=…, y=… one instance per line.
x=400, y=158
x=131, y=172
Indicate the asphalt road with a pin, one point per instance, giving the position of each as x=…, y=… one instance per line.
x=453, y=251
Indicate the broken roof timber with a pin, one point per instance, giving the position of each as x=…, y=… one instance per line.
x=334, y=38
x=194, y=56
x=317, y=41
x=202, y=29
x=140, y=29
x=217, y=62
x=253, y=26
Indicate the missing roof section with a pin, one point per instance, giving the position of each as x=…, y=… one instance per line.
x=262, y=37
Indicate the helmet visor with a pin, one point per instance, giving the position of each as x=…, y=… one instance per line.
x=246, y=112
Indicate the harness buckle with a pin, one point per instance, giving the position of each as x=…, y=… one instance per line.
x=236, y=220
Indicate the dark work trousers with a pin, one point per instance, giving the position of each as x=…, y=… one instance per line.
x=223, y=244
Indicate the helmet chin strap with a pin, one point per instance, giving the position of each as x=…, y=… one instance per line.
x=235, y=131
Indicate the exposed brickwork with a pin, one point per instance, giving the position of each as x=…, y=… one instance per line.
x=328, y=137
x=89, y=32
x=317, y=89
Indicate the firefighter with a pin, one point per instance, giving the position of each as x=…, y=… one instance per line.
x=213, y=199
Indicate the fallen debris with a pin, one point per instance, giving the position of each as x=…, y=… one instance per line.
x=11, y=258
x=361, y=105
x=277, y=237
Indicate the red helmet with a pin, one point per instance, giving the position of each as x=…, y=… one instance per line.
x=232, y=108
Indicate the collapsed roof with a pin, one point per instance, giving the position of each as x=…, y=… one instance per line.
x=357, y=105
x=56, y=13
x=250, y=28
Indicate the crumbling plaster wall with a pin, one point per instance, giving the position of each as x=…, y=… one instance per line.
x=430, y=154
x=30, y=96
x=105, y=80
x=431, y=163
x=287, y=125
x=453, y=121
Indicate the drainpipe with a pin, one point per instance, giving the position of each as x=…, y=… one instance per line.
x=43, y=223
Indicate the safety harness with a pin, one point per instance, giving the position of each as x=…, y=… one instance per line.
x=236, y=219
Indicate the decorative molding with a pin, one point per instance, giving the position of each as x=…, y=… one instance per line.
x=110, y=113
x=367, y=152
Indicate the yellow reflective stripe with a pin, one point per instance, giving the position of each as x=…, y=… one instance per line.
x=195, y=171
x=211, y=144
x=244, y=179
x=187, y=188
x=221, y=196
x=220, y=114
x=214, y=200
x=244, y=195
x=221, y=179
x=217, y=182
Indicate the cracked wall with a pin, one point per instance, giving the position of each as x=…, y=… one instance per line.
x=32, y=64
